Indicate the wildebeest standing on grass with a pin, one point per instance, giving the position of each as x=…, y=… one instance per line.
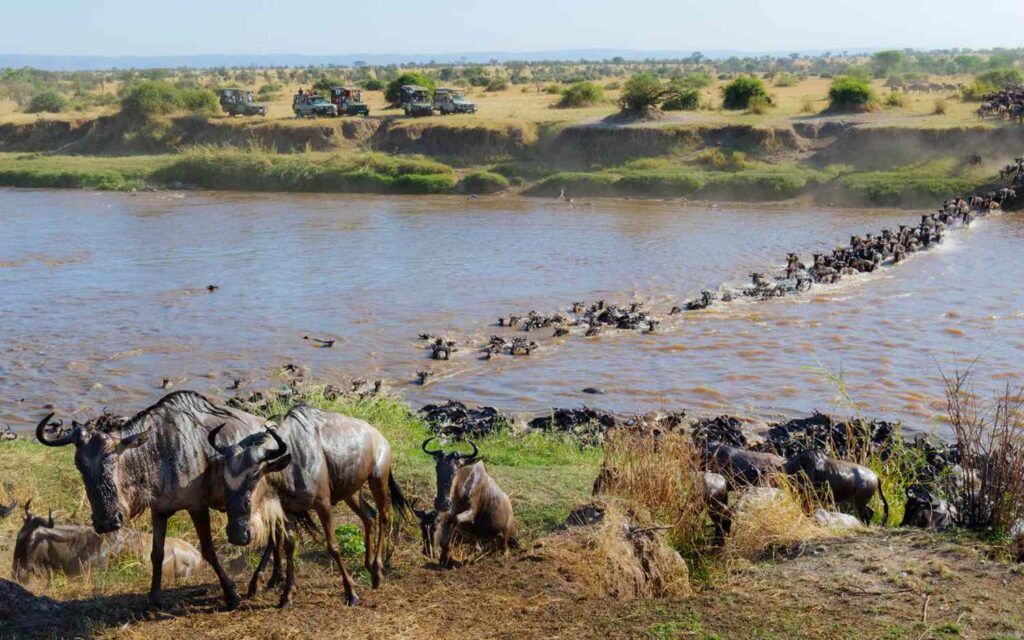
x=323, y=458
x=44, y=547
x=159, y=460
x=471, y=503
x=848, y=482
x=742, y=467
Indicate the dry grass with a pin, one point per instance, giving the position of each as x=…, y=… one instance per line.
x=773, y=520
x=990, y=444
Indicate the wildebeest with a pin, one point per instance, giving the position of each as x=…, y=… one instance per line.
x=159, y=460
x=468, y=502
x=741, y=467
x=927, y=511
x=848, y=482
x=43, y=547
x=323, y=458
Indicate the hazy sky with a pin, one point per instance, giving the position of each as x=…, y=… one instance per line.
x=143, y=27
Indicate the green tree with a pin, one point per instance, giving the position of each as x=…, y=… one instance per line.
x=393, y=93
x=46, y=102
x=642, y=92
x=683, y=99
x=850, y=94
x=580, y=94
x=884, y=62
x=739, y=93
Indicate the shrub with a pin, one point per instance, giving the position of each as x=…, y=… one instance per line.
x=807, y=105
x=269, y=89
x=897, y=100
x=737, y=94
x=580, y=94
x=850, y=94
x=683, y=100
x=553, y=89
x=497, y=84
x=759, y=105
x=990, y=495
x=1001, y=78
x=642, y=92
x=373, y=84
x=154, y=97
x=693, y=80
x=483, y=182
x=941, y=106
x=785, y=80
x=393, y=93
x=46, y=102
x=614, y=85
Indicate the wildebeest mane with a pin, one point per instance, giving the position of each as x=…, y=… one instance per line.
x=188, y=404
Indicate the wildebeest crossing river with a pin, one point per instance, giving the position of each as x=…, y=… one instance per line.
x=104, y=298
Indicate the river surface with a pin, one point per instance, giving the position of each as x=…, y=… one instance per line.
x=103, y=296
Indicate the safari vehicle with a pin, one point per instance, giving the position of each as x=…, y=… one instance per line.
x=349, y=101
x=310, y=106
x=452, y=101
x=416, y=101
x=237, y=102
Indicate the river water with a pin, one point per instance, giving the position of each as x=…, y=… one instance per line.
x=103, y=295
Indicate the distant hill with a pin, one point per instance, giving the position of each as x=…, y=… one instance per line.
x=92, y=63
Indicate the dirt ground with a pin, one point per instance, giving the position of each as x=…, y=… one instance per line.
x=887, y=585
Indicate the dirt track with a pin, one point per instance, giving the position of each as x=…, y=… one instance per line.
x=877, y=585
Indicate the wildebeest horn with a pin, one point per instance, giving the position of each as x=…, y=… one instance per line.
x=471, y=456
x=212, y=438
x=281, y=449
x=49, y=522
x=28, y=508
x=67, y=438
x=428, y=451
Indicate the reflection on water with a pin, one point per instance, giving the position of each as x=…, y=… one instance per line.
x=104, y=296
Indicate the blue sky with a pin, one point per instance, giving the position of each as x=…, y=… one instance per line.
x=179, y=27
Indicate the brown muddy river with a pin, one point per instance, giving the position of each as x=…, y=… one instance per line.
x=104, y=295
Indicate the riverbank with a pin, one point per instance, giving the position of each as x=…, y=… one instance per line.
x=830, y=161
x=865, y=584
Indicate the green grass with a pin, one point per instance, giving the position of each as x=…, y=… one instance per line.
x=924, y=184
x=77, y=172
x=258, y=170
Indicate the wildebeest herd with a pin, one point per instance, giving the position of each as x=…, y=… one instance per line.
x=864, y=254
x=186, y=453
x=1007, y=103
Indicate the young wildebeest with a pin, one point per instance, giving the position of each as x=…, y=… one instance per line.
x=158, y=460
x=848, y=482
x=471, y=503
x=43, y=547
x=741, y=467
x=324, y=458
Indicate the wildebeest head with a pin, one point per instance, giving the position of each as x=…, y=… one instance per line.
x=808, y=461
x=21, y=546
x=245, y=465
x=445, y=466
x=428, y=528
x=97, y=454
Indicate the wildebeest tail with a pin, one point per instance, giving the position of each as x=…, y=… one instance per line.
x=885, y=505
x=306, y=523
x=397, y=497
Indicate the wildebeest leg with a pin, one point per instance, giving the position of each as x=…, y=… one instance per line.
x=201, y=521
x=289, y=551
x=382, y=498
x=156, y=557
x=362, y=511
x=275, y=574
x=254, y=583
x=323, y=510
x=448, y=528
x=864, y=512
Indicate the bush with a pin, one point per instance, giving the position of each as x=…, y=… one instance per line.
x=693, y=80
x=737, y=94
x=614, y=85
x=154, y=97
x=553, y=89
x=642, y=92
x=269, y=89
x=1001, y=78
x=483, y=182
x=497, y=84
x=580, y=94
x=759, y=105
x=941, y=106
x=785, y=80
x=683, y=100
x=373, y=84
x=850, y=94
x=898, y=100
x=46, y=102
x=393, y=92
x=976, y=91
